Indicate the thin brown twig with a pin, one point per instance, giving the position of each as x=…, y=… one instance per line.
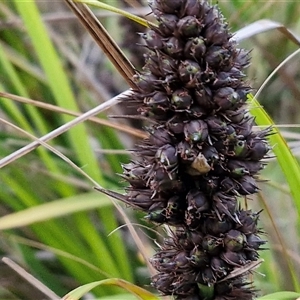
x=29, y=278
x=104, y=40
x=56, y=132
x=51, y=107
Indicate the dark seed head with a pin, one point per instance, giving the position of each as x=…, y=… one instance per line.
x=181, y=100
x=156, y=214
x=198, y=258
x=167, y=23
x=218, y=57
x=248, y=222
x=153, y=39
x=208, y=276
x=145, y=82
x=197, y=8
x=258, y=148
x=189, y=26
x=167, y=156
x=226, y=98
x=176, y=124
x=140, y=198
x=214, y=226
x=160, y=137
x=135, y=174
x=212, y=244
x=157, y=100
x=174, y=47
x=204, y=98
x=216, y=33
x=188, y=69
x=217, y=126
x=196, y=131
x=254, y=241
x=219, y=266
x=168, y=6
x=247, y=185
x=234, y=240
x=195, y=48
x=236, y=259
x=197, y=201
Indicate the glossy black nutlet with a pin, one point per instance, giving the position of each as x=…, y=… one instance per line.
x=198, y=258
x=181, y=100
x=219, y=266
x=197, y=201
x=234, y=240
x=153, y=40
x=212, y=245
x=174, y=47
x=195, y=49
x=189, y=26
x=196, y=131
x=188, y=70
x=226, y=98
x=160, y=137
x=167, y=23
x=168, y=6
x=167, y=156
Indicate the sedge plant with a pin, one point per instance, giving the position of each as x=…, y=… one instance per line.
x=193, y=172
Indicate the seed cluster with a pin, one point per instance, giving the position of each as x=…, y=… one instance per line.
x=201, y=155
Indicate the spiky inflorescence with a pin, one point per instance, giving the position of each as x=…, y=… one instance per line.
x=201, y=155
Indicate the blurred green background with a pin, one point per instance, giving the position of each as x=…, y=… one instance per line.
x=46, y=55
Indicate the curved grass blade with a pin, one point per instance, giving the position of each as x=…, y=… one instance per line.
x=140, y=293
x=64, y=254
x=58, y=82
x=118, y=297
x=116, y=10
x=265, y=25
x=281, y=296
x=53, y=209
x=285, y=158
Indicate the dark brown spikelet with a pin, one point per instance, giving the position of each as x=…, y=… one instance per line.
x=202, y=153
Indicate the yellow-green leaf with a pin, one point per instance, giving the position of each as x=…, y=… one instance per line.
x=124, y=13
x=54, y=209
x=140, y=293
x=281, y=296
x=284, y=155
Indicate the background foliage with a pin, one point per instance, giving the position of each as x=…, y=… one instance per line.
x=68, y=237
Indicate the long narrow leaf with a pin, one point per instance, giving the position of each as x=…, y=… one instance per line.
x=135, y=290
x=286, y=160
x=285, y=157
x=54, y=209
x=58, y=82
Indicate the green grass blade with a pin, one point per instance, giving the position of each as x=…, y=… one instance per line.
x=37, y=121
x=58, y=82
x=285, y=157
x=286, y=160
x=114, y=9
x=135, y=290
x=281, y=296
x=53, y=209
